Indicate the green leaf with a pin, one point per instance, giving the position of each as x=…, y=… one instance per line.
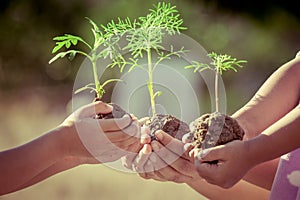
x=111, y=80
x=58, y=46
x=157, y=94
x=72, y=55
x=88, y=86
x=66, y=40
x=63, y=54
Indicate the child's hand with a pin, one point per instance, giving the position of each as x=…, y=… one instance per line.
x=233, y=161
x=103, y=140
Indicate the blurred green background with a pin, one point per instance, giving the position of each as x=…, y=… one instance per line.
x=35, y=95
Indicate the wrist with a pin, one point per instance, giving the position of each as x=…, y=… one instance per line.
x=72, y=147
x=67, y=140
x=255, y=148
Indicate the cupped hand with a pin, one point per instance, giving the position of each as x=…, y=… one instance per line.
x=233, y=162
x=100, y=140
x=164, y=160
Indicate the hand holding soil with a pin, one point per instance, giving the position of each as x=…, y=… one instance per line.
x=163, y=159
x=103, y=139
x=234, y=161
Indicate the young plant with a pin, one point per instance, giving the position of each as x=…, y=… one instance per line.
x=216, y=128
x=219, y=64
x=146, y=37
x=106, y=37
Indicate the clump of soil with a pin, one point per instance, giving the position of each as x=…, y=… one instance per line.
x=214, y=129
x=169, y=124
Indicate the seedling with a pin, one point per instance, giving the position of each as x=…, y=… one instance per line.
x=219, y=64
x=146, y=37
x=105, y=46
x=216, y=128
x=104, y=36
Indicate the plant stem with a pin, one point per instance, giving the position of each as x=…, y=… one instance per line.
x=216, y=85
x=97, y=83
x=150, y=86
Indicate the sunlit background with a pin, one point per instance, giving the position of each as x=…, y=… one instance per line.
x=35, y=96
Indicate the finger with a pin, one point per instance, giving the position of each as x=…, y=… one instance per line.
x=128, y=160
x=170, y=174
x=187, y=138
x=164, y=153
x=124, y=145
x=142, y=158
x=115, y=124
x=143, y=121
x=135, y=147
x=94, y=108
x=131, y=131
x=206, y=171
x=188, y=147
x=210, y=154
x=145, y=130
x=169, y=142
x=148, y=170
x=179, y=164
x=145, y=139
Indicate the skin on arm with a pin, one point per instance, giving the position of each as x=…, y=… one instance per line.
x=276, y=97
x=272, y=111
x=61, y=149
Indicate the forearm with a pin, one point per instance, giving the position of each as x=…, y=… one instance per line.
x=21, y=164
x=60, y=166
x=263, y=174
x=277, y=96
x=242, y=190
x=280, y=138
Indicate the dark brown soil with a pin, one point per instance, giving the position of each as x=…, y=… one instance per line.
x=168, y=124
x=214, y=129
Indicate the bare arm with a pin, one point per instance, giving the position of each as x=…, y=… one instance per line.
x=276, y=97
x=62, y=148
x=271, y=112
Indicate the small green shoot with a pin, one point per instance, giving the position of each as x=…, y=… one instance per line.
x=107, y=36
x=219, y=64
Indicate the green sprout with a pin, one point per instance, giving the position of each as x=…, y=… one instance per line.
x=219, y=64
x=145, y=36
x=104, y=36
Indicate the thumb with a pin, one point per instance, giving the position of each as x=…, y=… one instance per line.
x=210, y=154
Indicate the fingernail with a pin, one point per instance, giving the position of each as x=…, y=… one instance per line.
x=155, y=146
x=159, y=135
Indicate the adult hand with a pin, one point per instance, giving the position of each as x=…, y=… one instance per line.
x=105, y=140
x=167, y=162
